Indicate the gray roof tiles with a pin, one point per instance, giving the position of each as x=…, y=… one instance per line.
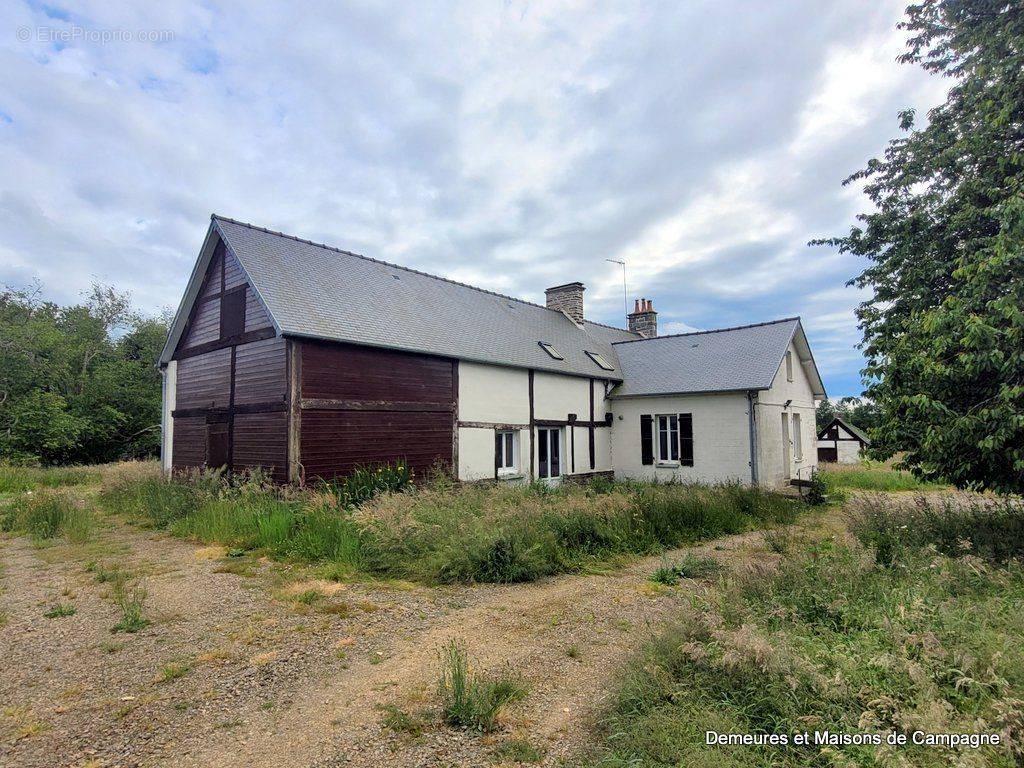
x=314, y=290
x=317, y=291
x=728, y=359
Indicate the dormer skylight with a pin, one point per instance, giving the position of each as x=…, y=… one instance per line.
x=555, y=354
x=601, y=362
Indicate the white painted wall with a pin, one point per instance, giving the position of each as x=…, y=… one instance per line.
x=170, y=383
x=772, y=469
x=491, y=395
x=721, y=437
x=847, y=451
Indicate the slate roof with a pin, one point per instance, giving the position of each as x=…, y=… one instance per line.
x=317, y=291
x=856, y=432
x=728, y=359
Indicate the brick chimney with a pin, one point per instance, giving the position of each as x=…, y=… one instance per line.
x=567, y=298
x=643, y=319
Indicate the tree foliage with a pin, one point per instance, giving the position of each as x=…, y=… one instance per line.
x=856, y=411
x=79, y=383
x=944, y=330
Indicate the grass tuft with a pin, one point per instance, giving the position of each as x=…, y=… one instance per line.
x=60, y=610
x=690, y=566
x=130, y=597
x=468, y=700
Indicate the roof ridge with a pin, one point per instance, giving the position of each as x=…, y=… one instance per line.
x=712, y=330
x=395, y=266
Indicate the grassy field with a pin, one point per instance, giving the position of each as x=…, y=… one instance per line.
x=871, y=476
x=377, y=524
x=897, y=631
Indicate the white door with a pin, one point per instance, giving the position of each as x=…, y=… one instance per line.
x=549, y=453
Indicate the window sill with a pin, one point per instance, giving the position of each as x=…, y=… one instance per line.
x=669, y=464
x=510, y=476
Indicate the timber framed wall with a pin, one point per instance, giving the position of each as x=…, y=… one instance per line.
x=231, y=379
x=354, y=406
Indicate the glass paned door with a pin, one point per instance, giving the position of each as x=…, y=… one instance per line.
x=549, y=452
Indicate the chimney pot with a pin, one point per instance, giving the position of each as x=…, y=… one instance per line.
x=643, y=319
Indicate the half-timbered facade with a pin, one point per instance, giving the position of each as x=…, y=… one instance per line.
x=308, y=361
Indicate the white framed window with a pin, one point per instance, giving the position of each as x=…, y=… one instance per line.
x=798, y=440
x=668, y=439
x=789, y=365
x=506, y=452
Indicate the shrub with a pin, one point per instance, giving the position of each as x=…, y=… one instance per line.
x=817, y=491
x=470, y=701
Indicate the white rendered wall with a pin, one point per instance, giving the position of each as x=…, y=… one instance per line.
x=721, y=437
x=490, y=396
x=170, y=383
x=771, y=404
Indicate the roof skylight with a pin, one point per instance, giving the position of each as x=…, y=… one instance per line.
x=555, y=354
x=601, y=362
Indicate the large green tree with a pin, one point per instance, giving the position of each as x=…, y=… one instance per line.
x=944, y=329
x=77, y=383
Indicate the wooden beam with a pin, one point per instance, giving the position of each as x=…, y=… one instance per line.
x=213, y=346
x=267, y=407
x=294, y=459
x=491, y=425
x=529, y=380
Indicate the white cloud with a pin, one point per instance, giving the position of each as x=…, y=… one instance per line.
x=508, y=145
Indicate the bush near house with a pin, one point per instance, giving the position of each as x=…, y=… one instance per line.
x=440, y=532
x=831, y=641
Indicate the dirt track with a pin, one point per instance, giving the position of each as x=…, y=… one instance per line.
x=262, y=679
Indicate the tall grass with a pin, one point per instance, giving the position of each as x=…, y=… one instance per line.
x=20, y=479
x=871, y=476
x=46, y=515
x=830, y=642
x=440, y=531
x=521, y=533
x=953, y=525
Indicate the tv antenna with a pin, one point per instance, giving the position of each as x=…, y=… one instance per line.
x=625, y=302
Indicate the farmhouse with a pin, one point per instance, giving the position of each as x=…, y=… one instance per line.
x=841, y=442
x=308, y=361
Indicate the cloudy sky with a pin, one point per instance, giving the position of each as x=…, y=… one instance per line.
x=510, y=145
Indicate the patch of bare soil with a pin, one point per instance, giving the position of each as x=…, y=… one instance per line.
x=242, y=666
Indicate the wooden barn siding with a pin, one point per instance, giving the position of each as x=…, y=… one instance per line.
x=189, y=443
x=261, y=372
x=261, y=440
x=245, y=385
x=204, y=381
x=337, y=442
x=213, y=274
x=348, y=372
x=205, y=324
x=362, y=406
x=256, y=316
